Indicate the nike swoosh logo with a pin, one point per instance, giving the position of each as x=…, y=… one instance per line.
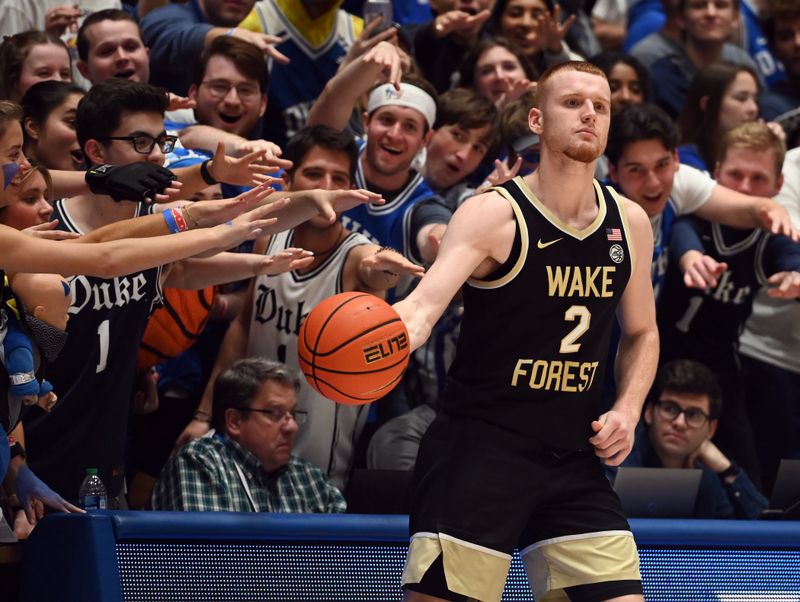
x=544, y=245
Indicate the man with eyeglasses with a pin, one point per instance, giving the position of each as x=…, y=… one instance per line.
x=681, y=417
x=246, y=463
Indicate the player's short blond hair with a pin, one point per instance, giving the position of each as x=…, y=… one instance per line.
x=756, y=137
x=582, y=66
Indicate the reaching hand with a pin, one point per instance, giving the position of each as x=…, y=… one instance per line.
x=205, y=214
x=179, y=102
x=774, y=218
x=331, y=202
x=30, y=489
x=387, y=57
x=271, y=157
x=264, y=42
x=614, y=437
x=248, y=225
x=47, y=231
x=392, y=263
x=501, y=173
x=141, y=181
x=59, y=18
x=550, y=31
x=464, y=24
x=784, y=285
x=282, y=261
x=248, y=170
x=700, y=271
x=367, y=41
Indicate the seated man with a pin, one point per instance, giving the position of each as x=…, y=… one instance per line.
x=246, y=464
x=681, y=417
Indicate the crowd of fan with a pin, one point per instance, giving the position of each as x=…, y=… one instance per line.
x=178, y=377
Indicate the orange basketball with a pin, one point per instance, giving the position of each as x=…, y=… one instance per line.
x=353, y=348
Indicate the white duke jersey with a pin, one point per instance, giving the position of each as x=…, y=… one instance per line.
x=280, y=304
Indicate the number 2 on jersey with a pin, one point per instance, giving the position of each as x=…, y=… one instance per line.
x=584, y=317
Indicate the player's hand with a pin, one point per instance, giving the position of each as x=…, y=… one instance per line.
x=179, y=102
x=461, y=22
x=282, y=261
x=194, y=430
x=774, y=218
x=387, y=57
x=700, y=271
x=47, y=231
x=247, y=170
x=264, y=42
x=392, y=263
x=784, y=285
x=614, y=435
x=30, y=489
x=329, y=203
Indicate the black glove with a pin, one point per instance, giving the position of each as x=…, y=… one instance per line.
x=133, y=182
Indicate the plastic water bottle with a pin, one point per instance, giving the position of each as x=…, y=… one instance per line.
x=92, y=494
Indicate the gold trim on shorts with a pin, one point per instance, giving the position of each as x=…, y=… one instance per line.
x=469, y=569
x=553, y=564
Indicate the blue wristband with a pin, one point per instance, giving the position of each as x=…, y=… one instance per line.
x=171, y=223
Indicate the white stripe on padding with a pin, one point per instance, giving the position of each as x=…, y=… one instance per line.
x=547, y=542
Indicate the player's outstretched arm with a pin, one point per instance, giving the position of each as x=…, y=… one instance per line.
x=478, y=238
x=637, y=356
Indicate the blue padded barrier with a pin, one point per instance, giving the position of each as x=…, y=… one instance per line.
x=161, y=556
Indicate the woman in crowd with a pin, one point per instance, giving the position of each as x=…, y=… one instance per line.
x=627, y=78
x=720, y=97
x=30, y=57
x=49, y=125
x=497, y=69
x=534, y=26
x=29, y=204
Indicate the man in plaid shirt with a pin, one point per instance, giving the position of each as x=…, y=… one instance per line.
x=245, y=464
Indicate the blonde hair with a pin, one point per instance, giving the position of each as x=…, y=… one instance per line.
x=581, y=66
x=756, y=137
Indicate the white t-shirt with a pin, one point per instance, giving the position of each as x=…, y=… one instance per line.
x=772, y=333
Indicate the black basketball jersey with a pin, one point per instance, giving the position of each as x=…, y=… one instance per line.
x=535, y=334
x=704, y=325
x=93, y=377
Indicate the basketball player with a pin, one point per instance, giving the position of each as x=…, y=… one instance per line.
x=514, y=459
x=270, y=321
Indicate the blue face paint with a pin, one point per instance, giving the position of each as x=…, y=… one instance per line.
x=66, y=288
x=10, y=171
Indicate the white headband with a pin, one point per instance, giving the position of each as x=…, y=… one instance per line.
x=408, y=96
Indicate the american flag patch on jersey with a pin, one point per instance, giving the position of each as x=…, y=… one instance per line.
x=613, y=234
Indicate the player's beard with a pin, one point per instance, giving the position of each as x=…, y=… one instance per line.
x=585, y=153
